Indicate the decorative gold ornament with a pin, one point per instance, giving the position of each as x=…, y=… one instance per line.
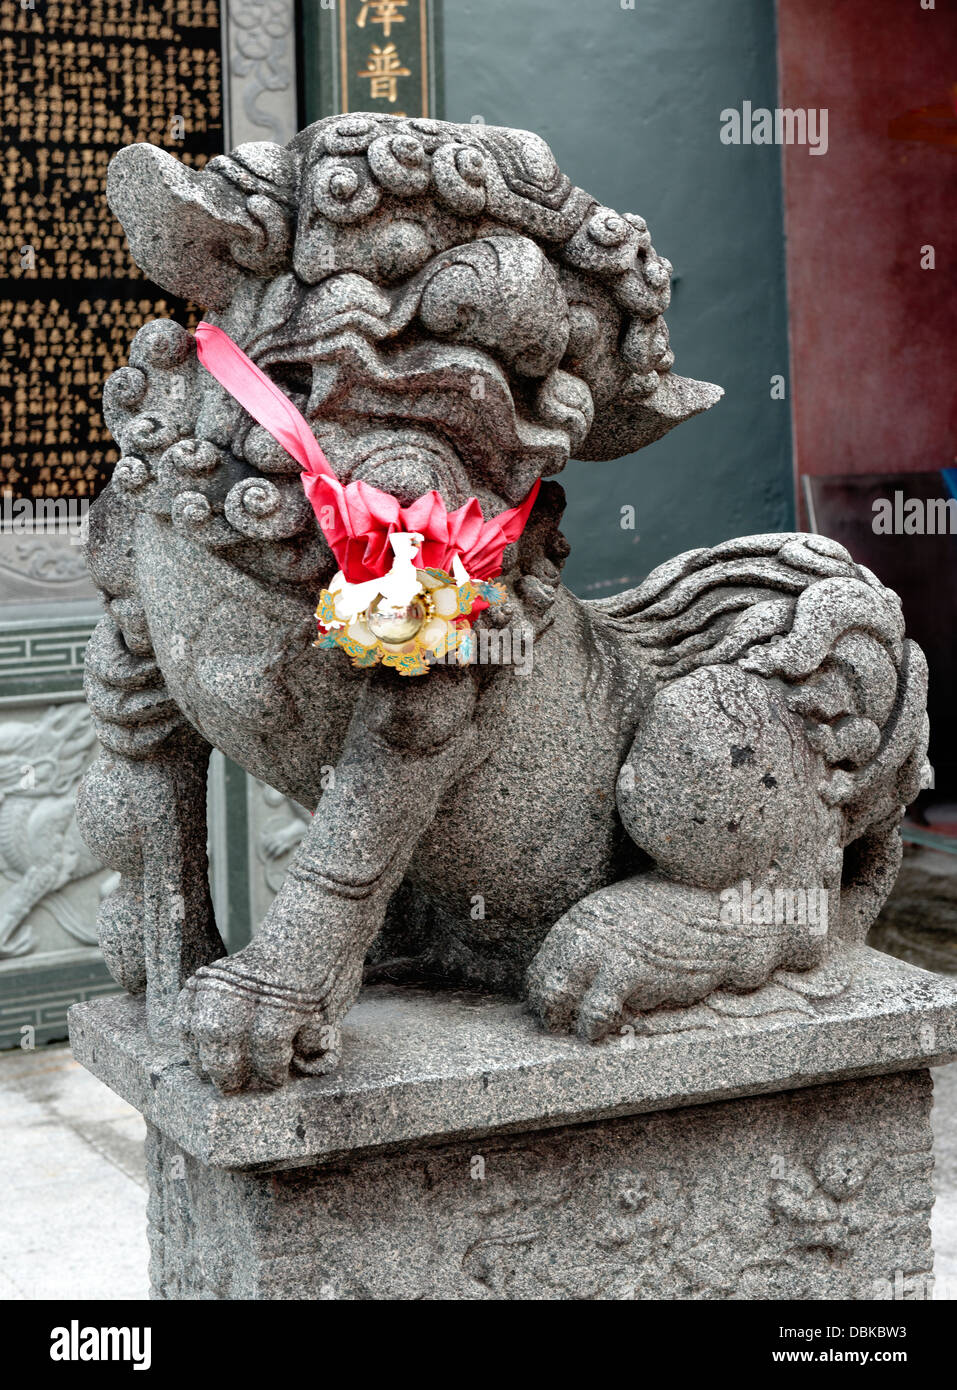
x=412, y=637
x=394, y=625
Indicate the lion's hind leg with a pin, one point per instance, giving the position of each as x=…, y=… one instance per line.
x=766, y=781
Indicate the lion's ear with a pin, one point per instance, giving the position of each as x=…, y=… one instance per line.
x=623, y=425
x=195, y=233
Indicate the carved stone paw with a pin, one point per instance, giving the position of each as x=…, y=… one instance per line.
x=241, y=1030
x=647, y=942
x=582, y=977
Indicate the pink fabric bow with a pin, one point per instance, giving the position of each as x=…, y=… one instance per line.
x=357, y=519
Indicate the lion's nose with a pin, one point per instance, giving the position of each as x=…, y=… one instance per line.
x=406, y=478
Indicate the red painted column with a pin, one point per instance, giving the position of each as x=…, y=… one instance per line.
x=873, y=335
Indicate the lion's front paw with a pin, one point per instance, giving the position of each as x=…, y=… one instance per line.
x=240, y=1029
x=584, y=975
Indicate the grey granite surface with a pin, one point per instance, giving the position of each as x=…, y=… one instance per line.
x=652, y=846
x=425, y=1067
x=822, y=1193
x=620, y=806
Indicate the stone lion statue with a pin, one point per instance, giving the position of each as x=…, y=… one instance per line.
x=448, y=312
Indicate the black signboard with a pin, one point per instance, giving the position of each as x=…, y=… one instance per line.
x=81, y=78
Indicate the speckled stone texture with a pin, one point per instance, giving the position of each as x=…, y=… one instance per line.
x=770, y=1145
x=658, y=825
x=632, y=804
x=816, y=1194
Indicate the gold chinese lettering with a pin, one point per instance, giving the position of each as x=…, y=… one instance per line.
x=384, y=12
x=384, y=69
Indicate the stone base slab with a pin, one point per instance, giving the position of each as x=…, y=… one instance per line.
x=822, y=1193
x=762, y=1146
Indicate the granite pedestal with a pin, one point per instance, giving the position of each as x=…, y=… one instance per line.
x=773, y=1145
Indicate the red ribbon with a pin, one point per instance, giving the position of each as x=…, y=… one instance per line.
x=356, y=518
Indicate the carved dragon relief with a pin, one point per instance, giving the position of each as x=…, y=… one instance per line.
x=43, y=858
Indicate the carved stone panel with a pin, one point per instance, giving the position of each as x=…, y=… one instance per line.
x=38, y=568
x=259, y=50
x=275, y=825
x=821, y=1193
x=50, y=883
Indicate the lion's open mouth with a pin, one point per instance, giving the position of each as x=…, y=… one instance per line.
x=406, y=463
